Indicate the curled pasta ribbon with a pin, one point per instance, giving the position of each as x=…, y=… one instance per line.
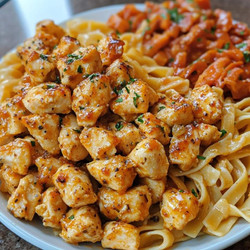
x=11, y=71
x=218, y=221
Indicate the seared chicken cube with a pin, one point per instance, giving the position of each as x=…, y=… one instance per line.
x=110, y=49
x=17, y=155
x=178, y=208
x=74, y=186
x=91, y=99
x=26, y=197
x=66, y=46
x=49, y=27
x=74, y=66
x=11, y=111
x=156, y=187
x=48, y=98
x=81, y=225
x=153, y=128
x=99, y=142
x=39, y=67
x=185, y=144
x=47, y=167
x=9, y=180
x=174, y=109
x=133, y=99
x=69, y=141
x=45, y=128
x=117, y=172
x=128, y=134
x=120, y=235
x=207, y=106
x=52, y=208
x=150, y=159
x=120, y=73
x=128, y=207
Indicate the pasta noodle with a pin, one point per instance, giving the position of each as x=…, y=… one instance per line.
x=77, y=132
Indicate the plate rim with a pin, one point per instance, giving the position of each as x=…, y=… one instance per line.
x=27, y=236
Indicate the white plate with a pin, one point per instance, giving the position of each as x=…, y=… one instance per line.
x=35, y=233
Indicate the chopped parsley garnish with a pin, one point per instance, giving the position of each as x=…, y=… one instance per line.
x=223, y=132
x=92, y=76
x=58, y=80
x=71, y=217
x=130, y=24
x=194, y=193
x=161, y=128
x=55, y=47
x=60, y=120
x=33, y=143
x=131, y=80
x=213, y=29
x=220, y=50
x=199, y=39
x=173, y=102
x=49, y=86
x=240, y=45
x=69, y=61
x=79, y=69
x=242, y=32
x=65, y=69
x=135, y=98
x=77, y=131
x=181, y=191
x=81, y=108
x=44, y=57
x=119, y=100
x=200, y=157
x=118, y=33
x=139, y=119
x=161, y=108
x=226, y=46
x=190, y=1
x=174, y=15
x=204, y=17
x=246, y=56
x=148, y=21
x=119, y=126
x=76, y=57
x=127, y=89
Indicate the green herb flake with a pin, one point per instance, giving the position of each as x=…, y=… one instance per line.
x=130, y=24
x=220, y=50
x=92, y=76
x=226, y=46
x=213, y=29
x=58, y=80
x=79, y=69
x=33, y=143
x=127, y=89
x=223, y=132
x=118, y=33
x=181, y=191
x=171, y=60
x=161, y=108
x=49, y=86
x=199, y=39
x=44, y=57
x=194, y=193
x=148, y=21
x=119, y=126
x=77, y=131
x=174, y=15
x=139, y=119
x=161, y=128
x=204, y=18
x=119, y=100
x=50, y=168
x=81, y=108
x=135, y=98
x=172, y=102
x=60, y=120
x=65, y=69
x=71, y=217
x=246, y=55
x=242, y=32
x=228, y=72
x=131, y=80
x=69, y=61
x=190, y=1
x=200, y=157
x=240, y=45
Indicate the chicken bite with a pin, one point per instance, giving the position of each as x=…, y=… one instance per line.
x=153, y=128
x=52, y=208
x=128, y=134
x=9, y=180
x=83, y=61
x=128, y=207
x=81, y=225
x=173, y=109
x=25, y=198
x=185, y=144
x=206, y=104
x=110, y=48
x=69, y=141
x=74, y=186
x=18, y=155
x=156, y=187
x=45, y=128
x=133, y=99
x=120, y=235
x=117, y=172
x=150, y=159
x=99, y=142
x=48, y=98
x=91, y=99
x=178, y=208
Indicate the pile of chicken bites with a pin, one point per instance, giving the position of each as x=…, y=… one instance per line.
x=86, y=145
